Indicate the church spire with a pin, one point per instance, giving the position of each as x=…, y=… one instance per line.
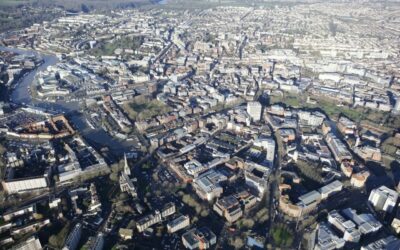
x=127, y=170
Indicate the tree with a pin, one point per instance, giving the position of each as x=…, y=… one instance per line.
x=37, y=216
x=248, y=223
x=262, y=215
x=85, y=8
x=53, y=240
x=132, y=224
x=123, y=196
x=114, y=177
x=155, y=177
x=238, y=243
x=186, y=198
x=2, y=196
x=159, y=232
x=282, y=235
x=2, y=149
x=124, y=208
x=204, y=213
x=57, y=240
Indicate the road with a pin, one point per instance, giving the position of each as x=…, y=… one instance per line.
x=273, y=187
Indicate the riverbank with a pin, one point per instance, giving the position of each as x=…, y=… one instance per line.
x=20, y=95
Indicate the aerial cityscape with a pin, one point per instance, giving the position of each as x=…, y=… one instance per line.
x=200, y=124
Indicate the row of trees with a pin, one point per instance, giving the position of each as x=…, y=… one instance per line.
x=115, y=169
x=57, y=240
x=199, y=208
x=311, y=171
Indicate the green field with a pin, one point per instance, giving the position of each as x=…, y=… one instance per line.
x=282, y=236
x=108, y=48
x=330, y=108
x=144, y=109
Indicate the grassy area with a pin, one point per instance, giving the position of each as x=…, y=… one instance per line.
x=108, y=48
x=144, y=109
x=333, y=111
x=205, y=4
x=147, y=165
x=310, y=172
x=282, y=236
x=393, y=121
x=289, y=100
x=390, y=146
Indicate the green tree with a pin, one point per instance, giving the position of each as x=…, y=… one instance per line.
x=85, y=8
x=204, y=213
x=238, y=243
x=57, y=240
x=114, y=177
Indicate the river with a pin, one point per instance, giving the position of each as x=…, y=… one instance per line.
x=20, y=94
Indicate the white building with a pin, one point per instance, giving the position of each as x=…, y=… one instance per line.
x=331, y=188
x=267, y=144
x=347, y=227
x=32, y=243
x=327, y=239
x=178, y=224
x=254, y=109
x=256, y=177
x=366, y=223
x=54, y=202
x=125, y=181
x=202, y=238
x=390, y=242
x=383, y=199
x=156, y=217
x=194, y=167
x=313, y=119
x=207, y=186
x=21, y=185
x=396, y=108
